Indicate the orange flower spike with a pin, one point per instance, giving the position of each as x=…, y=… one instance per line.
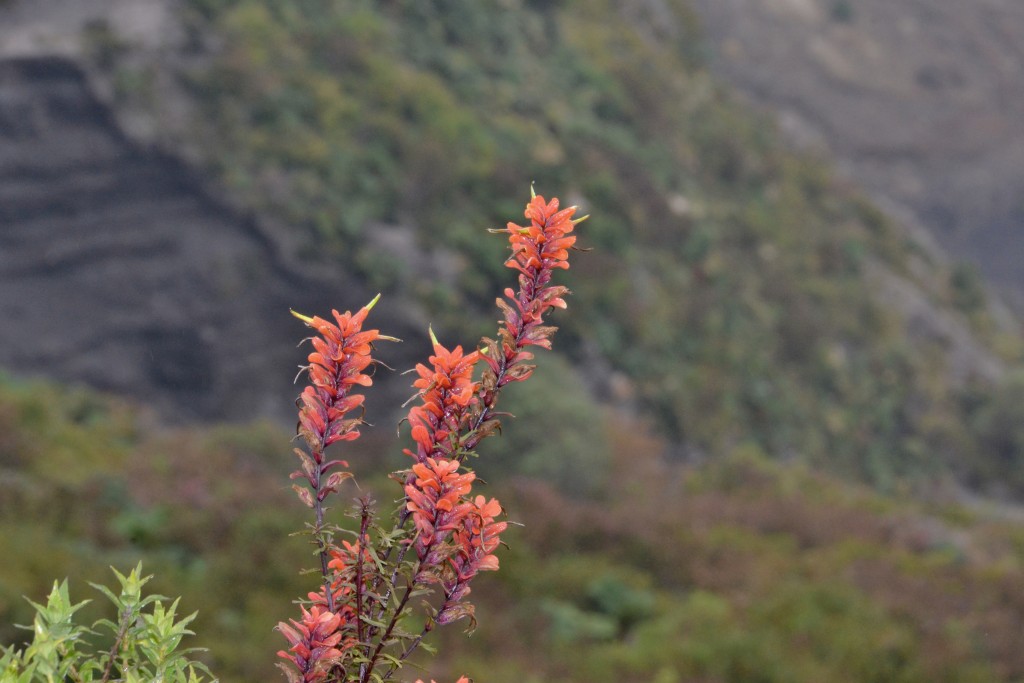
x=479, y=537
x=340, y=357
x=341, y=354
x=316, y=643
x=476, y=537
x=446, y=392
x=435, y=501
x=537, y=250
x=484, y=536
x=546, y=237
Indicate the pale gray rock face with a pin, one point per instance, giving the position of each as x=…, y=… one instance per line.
x=920, y=101
x=33, y=28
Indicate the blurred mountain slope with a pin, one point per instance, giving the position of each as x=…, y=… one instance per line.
x=119, y=270
x=921, y=101
x=739, y=302
x=736, y=293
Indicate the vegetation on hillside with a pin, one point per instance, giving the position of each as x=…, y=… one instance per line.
x=87, y=484
x=723, y=315
x=737, y=570
x=725, y=296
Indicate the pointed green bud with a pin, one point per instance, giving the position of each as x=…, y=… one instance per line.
x=304, y=318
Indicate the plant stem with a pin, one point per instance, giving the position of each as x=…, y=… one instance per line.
x=364, y=676
x=321, y=536
x=360, y=550
x=122, y=630
x=503, y=368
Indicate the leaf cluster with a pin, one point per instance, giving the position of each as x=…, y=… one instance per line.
x=146, y=636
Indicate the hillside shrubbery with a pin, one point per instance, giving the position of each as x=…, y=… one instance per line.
x=723, y=316
x=727, y=282
x=740, y=566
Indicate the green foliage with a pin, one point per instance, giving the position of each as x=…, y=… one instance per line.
x=966, y=287
x=561, y=440
x=738, y=570
x=52, y=653
x=998, y=419
x=604, y=608
x=625, y=604
x=145, y=636
x=570, y=624
x=727, y=283
x=758, y=572
x=69, y=435
x=121, y=491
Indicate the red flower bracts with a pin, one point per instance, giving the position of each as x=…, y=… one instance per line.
x=315, y=645
x=476, y=539
x=446, y=392
x=341, y=355
x=436, y=501
x=437, y=492
x=354, y=628
x=338, y=363
x=343, y=568
x=537, y=250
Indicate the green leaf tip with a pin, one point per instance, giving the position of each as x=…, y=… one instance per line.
x=433, y=337
x=373, y=303
x=304, y=318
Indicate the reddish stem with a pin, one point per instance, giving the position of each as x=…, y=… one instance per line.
x=364, y=675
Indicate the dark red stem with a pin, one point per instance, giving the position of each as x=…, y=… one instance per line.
x=364, y=675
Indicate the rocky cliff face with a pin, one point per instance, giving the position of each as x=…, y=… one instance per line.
x=921, y=101
x=118, y=270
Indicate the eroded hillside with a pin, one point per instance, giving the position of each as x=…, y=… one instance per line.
x=922, y=101
x=735, y=292
x=118, y=270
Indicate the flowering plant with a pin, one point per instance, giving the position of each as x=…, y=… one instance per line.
x=352, y=628
x=146, y=640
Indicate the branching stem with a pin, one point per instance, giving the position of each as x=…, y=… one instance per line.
x=122, y=629
x=374, y=658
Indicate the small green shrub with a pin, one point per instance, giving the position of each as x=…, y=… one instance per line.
x=145, y=632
